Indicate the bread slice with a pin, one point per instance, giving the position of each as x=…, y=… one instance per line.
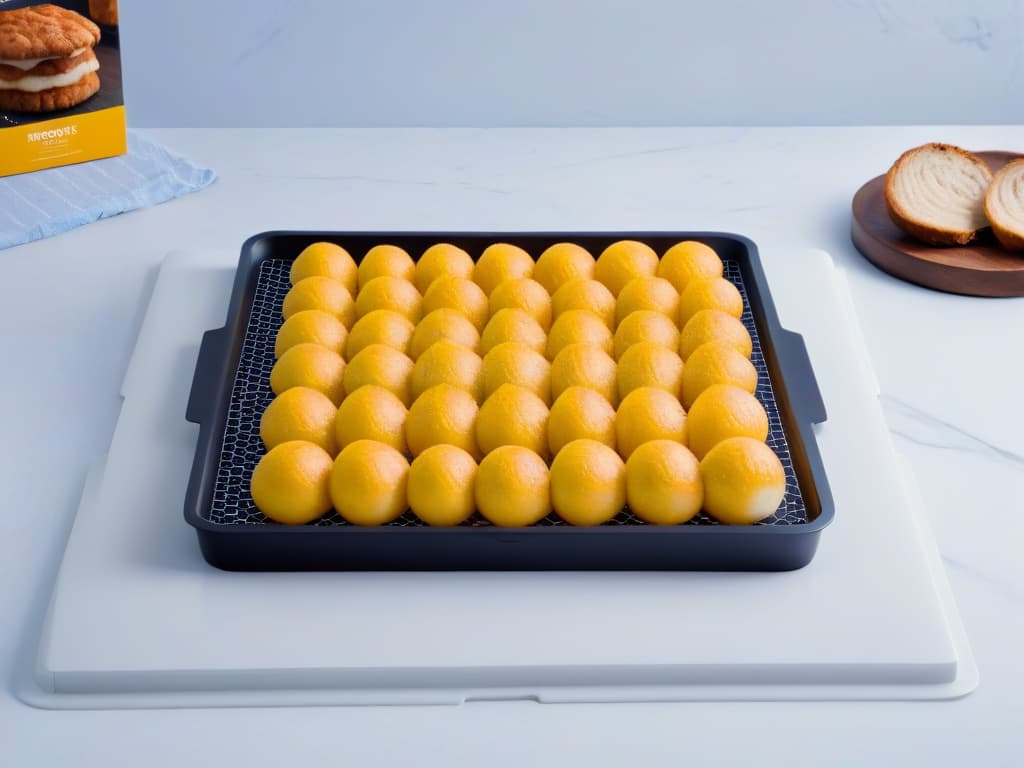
x=1004, y=205
x=936, y=193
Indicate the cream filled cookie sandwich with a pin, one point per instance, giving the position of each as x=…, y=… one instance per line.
x=47, y=60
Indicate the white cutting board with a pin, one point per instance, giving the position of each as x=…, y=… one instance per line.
x=139, y=619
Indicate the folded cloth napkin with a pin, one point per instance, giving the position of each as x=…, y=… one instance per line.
x=44, y=203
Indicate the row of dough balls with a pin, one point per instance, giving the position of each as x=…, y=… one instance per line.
x=554, y=266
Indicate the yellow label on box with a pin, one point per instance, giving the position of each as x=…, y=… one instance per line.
x=63, y=141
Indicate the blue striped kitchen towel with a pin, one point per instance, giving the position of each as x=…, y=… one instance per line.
x=44, y=203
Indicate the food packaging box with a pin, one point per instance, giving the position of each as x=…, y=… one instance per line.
x=61, y=99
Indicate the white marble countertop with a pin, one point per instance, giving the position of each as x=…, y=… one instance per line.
x=949, y=368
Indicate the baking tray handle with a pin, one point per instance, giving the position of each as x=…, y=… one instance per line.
x=801, y=386
x=212, y=354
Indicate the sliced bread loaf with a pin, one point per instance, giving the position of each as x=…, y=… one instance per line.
x=936, y=193
x=1004, y=205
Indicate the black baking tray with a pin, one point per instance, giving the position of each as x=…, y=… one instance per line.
x=231, y=389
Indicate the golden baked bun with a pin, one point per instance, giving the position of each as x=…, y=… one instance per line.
x=1004, y=205
x=936, y=193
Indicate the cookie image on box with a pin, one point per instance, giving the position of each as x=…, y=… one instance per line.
x=104, y=12
x=47, y=61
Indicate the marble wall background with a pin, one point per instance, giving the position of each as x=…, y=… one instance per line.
x=572, y=62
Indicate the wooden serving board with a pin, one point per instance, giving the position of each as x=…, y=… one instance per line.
x=982, y=268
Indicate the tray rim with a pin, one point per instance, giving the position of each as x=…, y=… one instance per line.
x=802, y=416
